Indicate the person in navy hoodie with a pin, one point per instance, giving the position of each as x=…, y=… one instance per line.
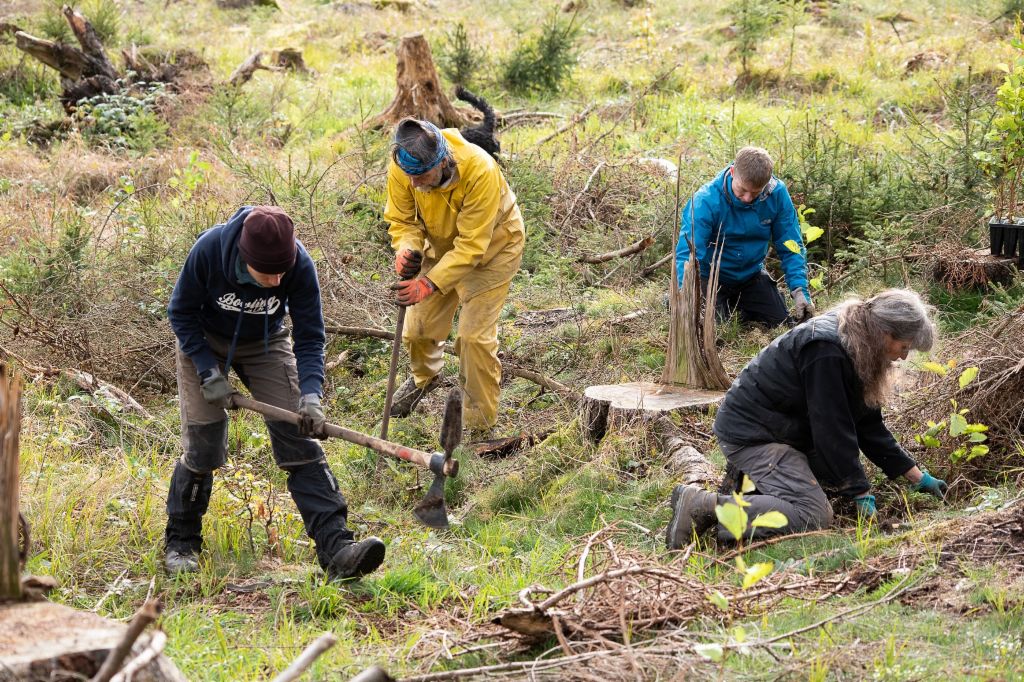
x=227, y=312
x=739, y=214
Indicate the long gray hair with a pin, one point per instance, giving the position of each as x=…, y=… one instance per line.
x=901, y=314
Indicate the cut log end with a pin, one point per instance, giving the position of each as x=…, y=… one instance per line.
x=607, y=406
x=41, y=641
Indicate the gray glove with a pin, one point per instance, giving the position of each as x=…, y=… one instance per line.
x=313, y=420
x=803, y=309
x=215, y=388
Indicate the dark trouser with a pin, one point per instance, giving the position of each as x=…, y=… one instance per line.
x=757, y=300
x=785, y=483
x=270, y=375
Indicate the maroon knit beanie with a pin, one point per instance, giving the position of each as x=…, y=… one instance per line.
x=267, y=243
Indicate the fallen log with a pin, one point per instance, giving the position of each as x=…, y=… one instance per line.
x=502, y=448
x=630, y=250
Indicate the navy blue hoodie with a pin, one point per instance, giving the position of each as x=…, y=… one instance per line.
x=209, y=298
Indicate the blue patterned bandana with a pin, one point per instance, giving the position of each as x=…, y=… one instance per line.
x=413, y=166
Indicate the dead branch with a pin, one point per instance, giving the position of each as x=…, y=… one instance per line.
x=146, y=614
x=306, y=658
x=576, y=119
x=154, y=648
x=628, y=317
x=630, y=250
x=87, y=381
x=86, y=35
x=374, y=674
x=657, y=265
x=68, y=61
x=501, y=448
x=510, y=369
x=247, y=69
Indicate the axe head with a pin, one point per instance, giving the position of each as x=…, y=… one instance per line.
x=451, y=425
x=431, y=511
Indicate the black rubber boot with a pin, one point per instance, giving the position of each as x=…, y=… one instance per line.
x=356, y=559
x=322, y=507
x=408, y=396
x=693, y=511
x=187, y=501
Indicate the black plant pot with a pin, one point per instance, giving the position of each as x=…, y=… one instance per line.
x=1006, y=239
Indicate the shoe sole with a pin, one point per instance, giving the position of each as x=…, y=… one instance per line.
x=369, y=560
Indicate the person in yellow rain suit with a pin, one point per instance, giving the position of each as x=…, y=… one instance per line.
x=458, y=237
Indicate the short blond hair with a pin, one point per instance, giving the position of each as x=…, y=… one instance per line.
x=753, y=165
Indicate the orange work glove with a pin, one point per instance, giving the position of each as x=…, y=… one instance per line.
x=412, y=291
x=407, y=263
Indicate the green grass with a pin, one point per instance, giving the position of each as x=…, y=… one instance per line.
x=96, y=235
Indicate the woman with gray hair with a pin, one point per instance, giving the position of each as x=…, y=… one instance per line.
x=802, y=411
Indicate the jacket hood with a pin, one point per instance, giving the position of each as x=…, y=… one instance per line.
x=229, y=243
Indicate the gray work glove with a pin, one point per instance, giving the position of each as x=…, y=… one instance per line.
x=312, y=414
x=215, y=388
x=803, y=309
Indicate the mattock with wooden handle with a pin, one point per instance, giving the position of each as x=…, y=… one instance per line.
x=431, y=510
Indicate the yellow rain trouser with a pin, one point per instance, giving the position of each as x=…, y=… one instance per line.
x=476, y=343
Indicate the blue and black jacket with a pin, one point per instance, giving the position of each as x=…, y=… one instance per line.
x=210, y=298
x=715, y=218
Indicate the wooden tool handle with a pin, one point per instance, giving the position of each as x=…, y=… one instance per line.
x=386, y=447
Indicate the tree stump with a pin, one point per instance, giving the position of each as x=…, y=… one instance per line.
x=605, y=407
x=44, y=641
x=419, y=92
x=959, y=269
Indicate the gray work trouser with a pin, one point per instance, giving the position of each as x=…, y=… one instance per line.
x=269, y=371
x=784, y=483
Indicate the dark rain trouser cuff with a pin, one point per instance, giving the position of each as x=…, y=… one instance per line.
x=322, y=506
x=187, y=501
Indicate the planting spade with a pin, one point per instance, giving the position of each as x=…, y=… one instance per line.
x=431, y=510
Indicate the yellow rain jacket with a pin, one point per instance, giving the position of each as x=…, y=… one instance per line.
x=471, y=232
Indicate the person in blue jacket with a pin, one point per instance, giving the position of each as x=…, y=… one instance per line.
x=227, y=312
x=739, y=214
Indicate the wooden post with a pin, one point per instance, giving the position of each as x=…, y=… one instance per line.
x=10, y=426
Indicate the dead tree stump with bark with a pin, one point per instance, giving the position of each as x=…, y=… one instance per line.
x=419, y=92
x=84, y=72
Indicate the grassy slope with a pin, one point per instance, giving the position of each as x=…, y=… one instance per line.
x=94, y=485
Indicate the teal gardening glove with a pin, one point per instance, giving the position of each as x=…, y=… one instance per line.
x=312, y=420
x=931, y=485
x=866, y=506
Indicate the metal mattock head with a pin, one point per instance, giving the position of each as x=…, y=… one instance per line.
x=431, y=511
x=451, y=425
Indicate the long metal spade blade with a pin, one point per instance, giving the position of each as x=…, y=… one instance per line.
x=431, y=510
